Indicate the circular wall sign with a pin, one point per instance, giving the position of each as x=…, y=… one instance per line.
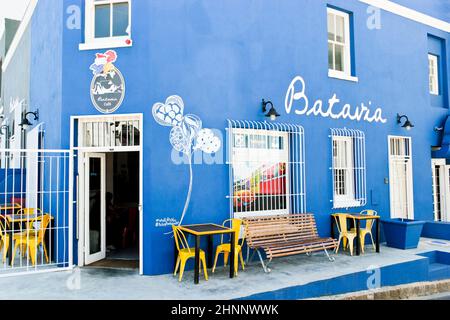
x=108, y=85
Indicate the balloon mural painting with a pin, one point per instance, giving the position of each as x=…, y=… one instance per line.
x=187, y=135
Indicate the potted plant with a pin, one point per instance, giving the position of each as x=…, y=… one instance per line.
x=402, y=233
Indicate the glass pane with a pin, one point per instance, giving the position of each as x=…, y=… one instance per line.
x=95, y=205
x=340, y=29
x=102, y=21
x=120, y=19
x=331, y=28
x=330, y=56
x=339, y=57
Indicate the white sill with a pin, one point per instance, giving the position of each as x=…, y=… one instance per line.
x=345, y=204
x=341, y=76
x=108, y=44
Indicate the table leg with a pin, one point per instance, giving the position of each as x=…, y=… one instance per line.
x=175, y=255
x=358, y=231
x=10, y=248
x=197, y=260
x=332, y=227
x=210, y=251
x=377, y=235
x=233, y=254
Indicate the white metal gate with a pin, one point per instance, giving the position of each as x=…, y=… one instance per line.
x=36, y=207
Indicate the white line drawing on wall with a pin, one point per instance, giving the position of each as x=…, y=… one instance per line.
x=187, y=135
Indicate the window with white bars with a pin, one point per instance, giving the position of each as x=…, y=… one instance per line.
x=267, y=169
x=401, y=179
x=110, y=132
x=433, y=68
x=348, y=168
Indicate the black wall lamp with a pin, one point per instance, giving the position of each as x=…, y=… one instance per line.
x=25, y=122
x=4, y=131
x=407, y=125
x=272, y=114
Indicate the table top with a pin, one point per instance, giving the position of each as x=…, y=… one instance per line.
x=205, y=229
x=17, y=218
x=359, y=216
x=10, y=206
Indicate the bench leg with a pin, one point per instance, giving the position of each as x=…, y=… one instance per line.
x=332, y=259
x=265, y=267
x=250, y=259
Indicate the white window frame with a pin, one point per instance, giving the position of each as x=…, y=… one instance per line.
x=441, y=197
x=292, y=154
x=355, y=174
x=408, y=188
x=433, y=65
x=347, y=73
x=89, y=29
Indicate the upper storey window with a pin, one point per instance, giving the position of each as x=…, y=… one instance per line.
x=339, y=45
x=108, y=24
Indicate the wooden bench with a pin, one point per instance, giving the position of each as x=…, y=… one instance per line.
x=285, y=235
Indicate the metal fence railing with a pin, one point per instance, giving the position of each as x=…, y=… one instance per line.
x=35, y=210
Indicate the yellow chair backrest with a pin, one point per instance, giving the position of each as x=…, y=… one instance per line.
x=4, y=225
x=180, y=239
x=341, y=222
x=369, y=223
x=28, y=211
x=40, y=224
x=236, y=225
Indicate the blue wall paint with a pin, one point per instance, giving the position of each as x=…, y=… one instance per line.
x=436, y=230
x=223, y=58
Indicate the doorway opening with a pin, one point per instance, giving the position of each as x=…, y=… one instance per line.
x=120, y=218
x=109, y=184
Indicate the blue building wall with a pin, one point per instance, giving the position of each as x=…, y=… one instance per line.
x=223, y=57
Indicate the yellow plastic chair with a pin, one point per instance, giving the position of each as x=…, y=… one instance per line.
x=225, y=248
x=4, y=236
x=363, y=232
x=29, y=211
x=185, y=253
x=32, y=238
x=344, y=233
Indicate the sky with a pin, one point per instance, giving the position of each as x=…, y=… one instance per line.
x=13, y=9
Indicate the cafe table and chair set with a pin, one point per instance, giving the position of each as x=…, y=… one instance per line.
x=271, y=237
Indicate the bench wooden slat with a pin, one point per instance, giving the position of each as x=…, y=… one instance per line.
x=286, y=235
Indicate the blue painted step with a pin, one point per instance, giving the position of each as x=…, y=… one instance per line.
x=438, y=271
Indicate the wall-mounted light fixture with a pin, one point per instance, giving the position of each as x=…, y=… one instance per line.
x=4, y=131
x=272, y=114
x=25, y=124
x=407, y=125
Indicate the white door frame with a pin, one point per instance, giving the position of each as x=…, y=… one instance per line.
x=91, y=258
x=444, y=192
x=80, y=178
x=409, y=180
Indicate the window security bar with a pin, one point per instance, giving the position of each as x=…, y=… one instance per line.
x=266, y=168
x=348, y=168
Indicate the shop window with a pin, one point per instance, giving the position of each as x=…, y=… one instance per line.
x=340, y=45
x=107, y=24
x=267, y=169
x=348, y=168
